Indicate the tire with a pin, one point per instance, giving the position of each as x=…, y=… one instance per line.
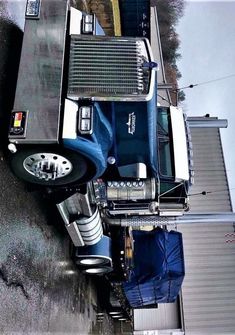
x=38, y=164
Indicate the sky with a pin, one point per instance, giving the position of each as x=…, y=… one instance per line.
x=207, y=35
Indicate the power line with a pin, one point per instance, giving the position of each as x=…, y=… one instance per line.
x=206, y=82
x=210, y=192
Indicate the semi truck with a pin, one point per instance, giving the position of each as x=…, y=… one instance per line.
x=86, y=127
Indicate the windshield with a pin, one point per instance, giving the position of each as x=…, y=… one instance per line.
x=165, y=145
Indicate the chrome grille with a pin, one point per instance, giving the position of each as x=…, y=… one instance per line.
x=102, y=67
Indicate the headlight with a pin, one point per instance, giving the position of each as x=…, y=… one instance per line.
x=88, y=24
x=85, y=122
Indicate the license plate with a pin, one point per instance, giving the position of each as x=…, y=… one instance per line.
x=32, y=9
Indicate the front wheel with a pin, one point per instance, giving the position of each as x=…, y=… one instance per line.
x=51, y=166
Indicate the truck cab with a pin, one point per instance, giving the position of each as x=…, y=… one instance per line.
x=86, y=108
x=86, y=126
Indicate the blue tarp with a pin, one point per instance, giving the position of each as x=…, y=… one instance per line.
x=158, y=268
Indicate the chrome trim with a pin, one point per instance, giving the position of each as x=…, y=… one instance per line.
x=90, y=228
x=171, y=213
x=84, y=23
x=75, y=21
x=75, y=235
x=179, y=144
x=72, y=228
x=81, y=85
x=136, y=170
x=47, y=166
x=131, y=189
x=141, y=212
x=105, y=259
x=70, y=119
x=92, y=261
x=141, y=171
x=63, y=212
x=83, y=231
x=153, y=71
x=98, y=271
x=79, y=203
x=81, y=118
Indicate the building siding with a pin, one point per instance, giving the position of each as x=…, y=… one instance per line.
x=164, y=317
x=210, y=172
x=208, y=292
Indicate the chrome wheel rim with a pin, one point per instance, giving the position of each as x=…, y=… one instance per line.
x=47, y=166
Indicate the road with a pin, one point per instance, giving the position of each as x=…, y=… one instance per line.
x=41, y=291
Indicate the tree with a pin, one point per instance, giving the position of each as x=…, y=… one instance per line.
x=169, y=12
x=181, y=95
x=174, y=9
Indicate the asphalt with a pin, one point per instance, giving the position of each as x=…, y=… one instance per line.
x=41, y=290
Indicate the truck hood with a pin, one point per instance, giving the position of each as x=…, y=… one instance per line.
x=134, y=125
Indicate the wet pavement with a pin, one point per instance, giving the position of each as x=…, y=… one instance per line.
x=41, y=290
